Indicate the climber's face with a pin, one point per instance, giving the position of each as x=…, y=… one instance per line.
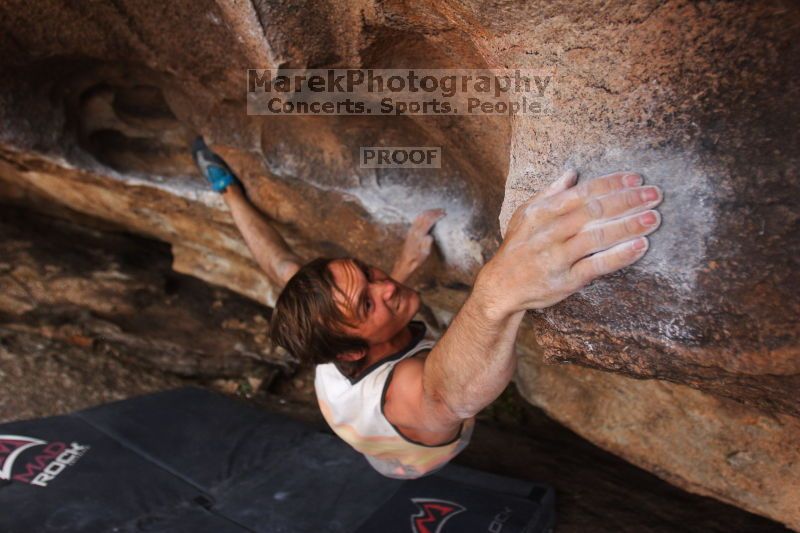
x=380, y=306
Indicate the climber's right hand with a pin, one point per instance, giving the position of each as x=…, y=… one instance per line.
x=566, y=236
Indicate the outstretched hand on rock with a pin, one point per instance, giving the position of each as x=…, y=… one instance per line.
x=418, y=243
x=568, y=235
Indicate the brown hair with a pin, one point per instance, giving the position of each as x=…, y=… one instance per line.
x=306, y=320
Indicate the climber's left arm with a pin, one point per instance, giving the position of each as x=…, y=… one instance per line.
x=417, y=246
x=270, y=251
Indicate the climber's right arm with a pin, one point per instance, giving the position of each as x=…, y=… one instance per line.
x=555, y=244
x=269, y=249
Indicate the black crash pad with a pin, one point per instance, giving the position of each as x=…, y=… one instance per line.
x=191, y=460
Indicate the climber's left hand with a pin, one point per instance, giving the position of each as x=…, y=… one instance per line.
x=418, y=244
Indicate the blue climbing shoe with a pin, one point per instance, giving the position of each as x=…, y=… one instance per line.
x=212, y=166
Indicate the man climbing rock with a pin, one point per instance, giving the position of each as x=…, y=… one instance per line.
x=403, y=400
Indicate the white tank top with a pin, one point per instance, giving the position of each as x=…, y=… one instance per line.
x=354, y=410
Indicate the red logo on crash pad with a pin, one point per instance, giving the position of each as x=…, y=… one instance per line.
x=41, y=469
x=11, y=446
x=433, y=514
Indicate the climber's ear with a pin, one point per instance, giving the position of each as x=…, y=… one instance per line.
x=351, y=356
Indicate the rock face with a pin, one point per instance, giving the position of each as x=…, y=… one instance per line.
x=708, y=117
x=98, y=103
x=116, y=295
x=89, y=316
